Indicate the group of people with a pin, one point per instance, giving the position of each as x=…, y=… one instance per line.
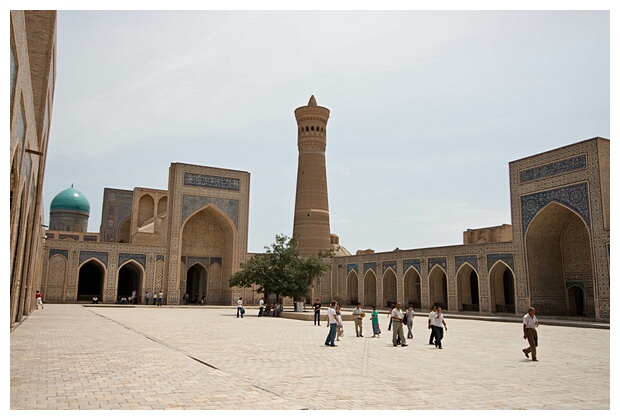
x=158, y=298
x=263, y=310
x=196, y=300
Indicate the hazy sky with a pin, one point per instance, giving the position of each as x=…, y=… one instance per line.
x=427, y=109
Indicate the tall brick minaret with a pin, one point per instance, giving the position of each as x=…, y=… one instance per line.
x=311, y=224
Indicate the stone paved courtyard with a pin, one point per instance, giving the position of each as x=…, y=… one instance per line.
x=74, y=357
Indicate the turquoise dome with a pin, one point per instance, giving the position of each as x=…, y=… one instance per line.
x=70, y=200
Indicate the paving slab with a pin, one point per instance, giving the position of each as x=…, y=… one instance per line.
x=108, y=358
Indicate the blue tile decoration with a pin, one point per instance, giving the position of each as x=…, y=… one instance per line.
x=459, y=260
x=339, y=266
x=388, y=264
x=183, y=259
x=352, y=266
x=99, y=255
x=575, y=197
x=210, y=181
x=63, y=252
x=370, y=266
x=570, y=164
x=441, y=261
x=216, y=260
x=415, y=263
x=159, y=258
x=139, y=258
x=507, y=258
x=192, y=203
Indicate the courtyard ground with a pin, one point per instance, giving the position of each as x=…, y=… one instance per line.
x=75, y=357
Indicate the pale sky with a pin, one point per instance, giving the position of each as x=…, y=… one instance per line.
x=427, y=109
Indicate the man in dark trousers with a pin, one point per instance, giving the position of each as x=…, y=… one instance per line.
x=317, y=313
x=431, y=324
x=530, y=322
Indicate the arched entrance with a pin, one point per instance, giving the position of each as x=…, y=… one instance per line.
x=209, y=235
x=502, y=282
x=370, y=288
x=576, y=301
x=468, y=290
x=129, y=280
x=196, y=282
x=412, y=288
x=389, y=287
x=559, y=257
x=90, y=281
x=352, y=281
x=438, y=287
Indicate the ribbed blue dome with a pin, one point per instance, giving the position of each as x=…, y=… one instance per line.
x=71, y=200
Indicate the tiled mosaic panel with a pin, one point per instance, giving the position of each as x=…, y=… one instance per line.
x=87, y=255
x=388, y=264
x=193, y=203
x=370, y=266
x=574, y=197
x=553, y=169
x=506, y=258
x=459, y=260
x=352, y=266
x=139, y=258
x=210, y=181
x=441, y=261
x=63, y=252
x=411, y=263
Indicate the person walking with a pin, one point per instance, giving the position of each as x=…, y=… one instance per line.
x=160, y=298
x=374, y=319
x=530, y=323
x=317, y=313
x=357, y=318
x=439, y=324
x=261, y=307
x=340, y=328
x=146, y=297
x=39, y=300
x=409, y=321
x=431, y=324
x=332, y=324
x=240, y=309
x=397, y=323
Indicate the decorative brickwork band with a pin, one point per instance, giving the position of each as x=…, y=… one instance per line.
x=210, y=181
x=571, y=164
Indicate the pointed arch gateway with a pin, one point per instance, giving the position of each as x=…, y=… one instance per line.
x=412, y=288
x=352, y=285
x=559, y=258
x=468, y=290
x=196, y=284
x=438, y=287
x=370, y=288
x=502, y=283
x=90, y=280
x=130, y=279
x=209, y=235
x=389, y=287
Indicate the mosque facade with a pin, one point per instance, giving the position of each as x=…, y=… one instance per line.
x=192, y=237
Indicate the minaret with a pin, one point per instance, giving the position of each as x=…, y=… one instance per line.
x=311, y=224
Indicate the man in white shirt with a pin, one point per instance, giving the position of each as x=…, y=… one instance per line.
x=261, y=307
x=160, y=298
x=530, y=322
x=431, y=324
x=332, y=322
x=240, y=307
x=357, y=318
x=397, y=326
x=438, y=327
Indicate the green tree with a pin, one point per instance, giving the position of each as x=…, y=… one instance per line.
x=281, y=270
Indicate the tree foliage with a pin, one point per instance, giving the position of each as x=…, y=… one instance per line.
x=281, y=270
